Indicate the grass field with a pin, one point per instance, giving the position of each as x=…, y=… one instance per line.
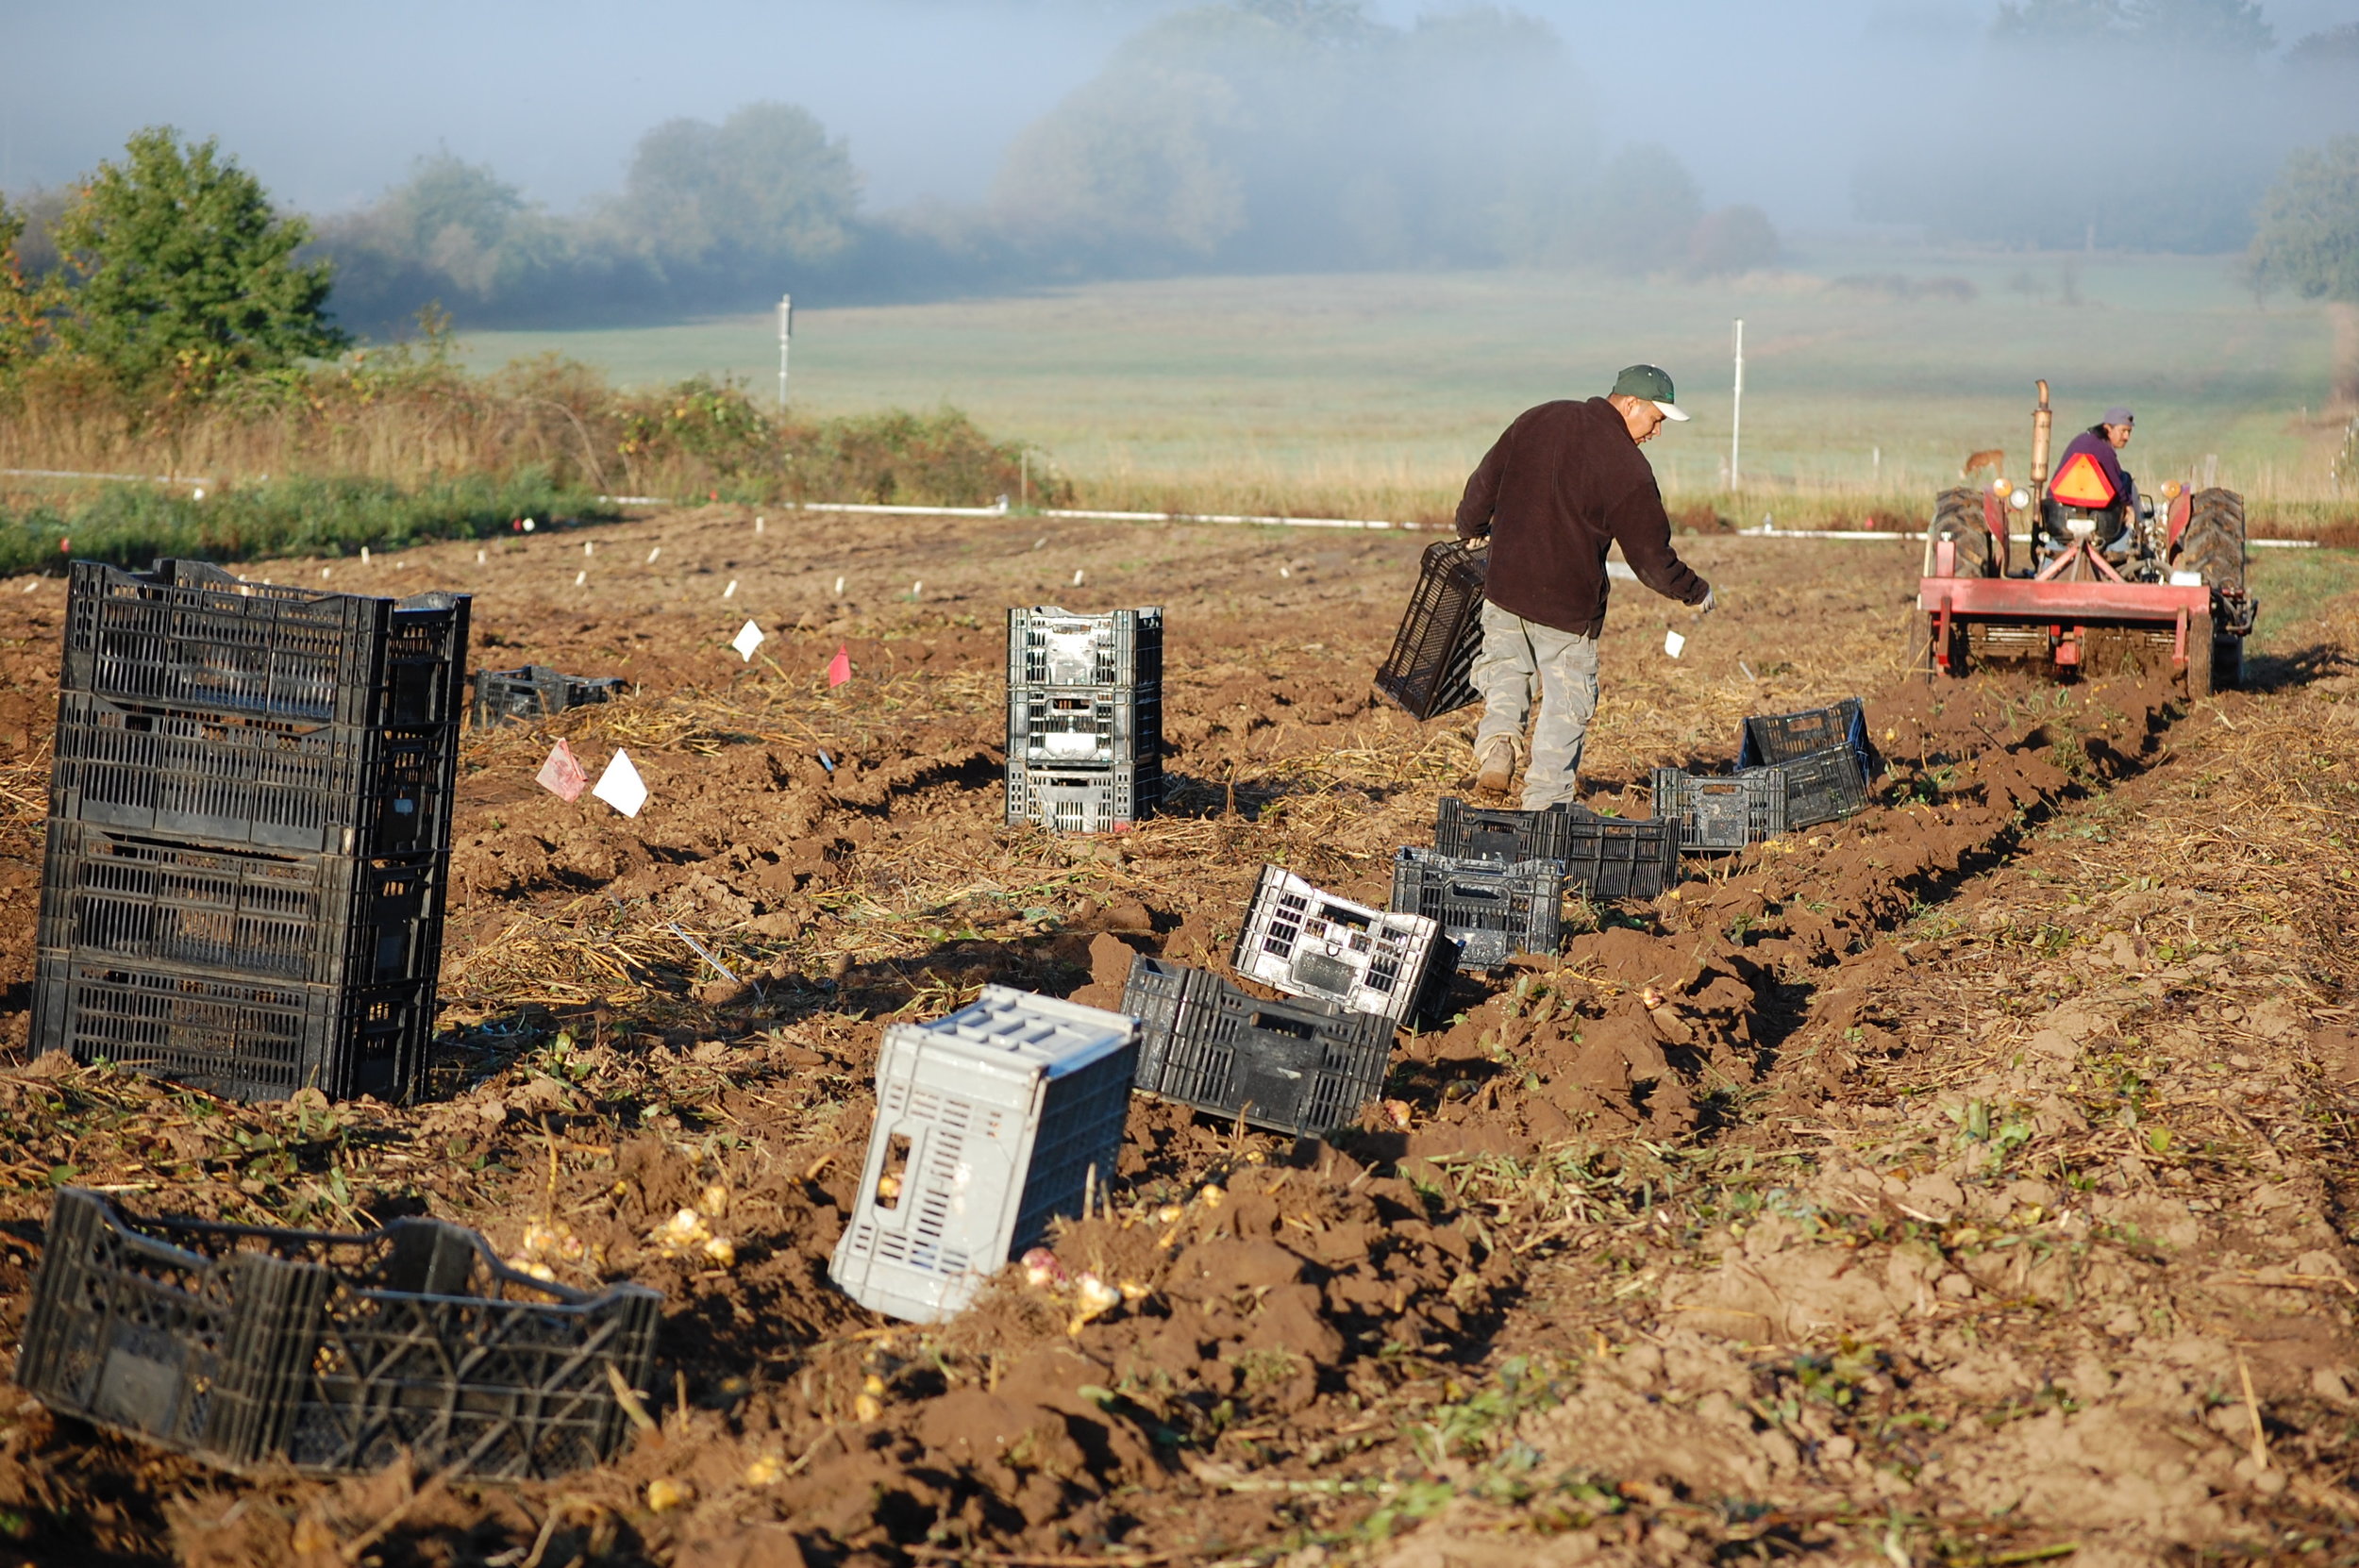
x=1384, y=389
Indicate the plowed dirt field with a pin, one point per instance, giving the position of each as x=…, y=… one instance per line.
x=1966, y=1182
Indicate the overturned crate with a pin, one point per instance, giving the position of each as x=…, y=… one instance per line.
x=990, y=1122
x=1302, y=1067
x=1604, y=856
x=251, y=1348
x=1307, y=943
x=1491, y=910
x=1429, y=671
x=1769, y=738
x=536, y=692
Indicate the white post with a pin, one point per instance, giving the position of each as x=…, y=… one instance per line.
x=786, y=334
x=1736, y=414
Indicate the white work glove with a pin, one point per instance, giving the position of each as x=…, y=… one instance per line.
x=1705, y=608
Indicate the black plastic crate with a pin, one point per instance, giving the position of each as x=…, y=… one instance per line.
x=248, y=1348
x=1790, y=737
x=1491, y=910
x=188, y=635
x=239, y=1037
x=1309, y=942
x=535, y=691
x=1823, y=787
x=237, y=779
x=1087, y=726
x=312, y=919
x=1083, y=799
x=1604, y=856
x=1728, y=811
x=1294, y=1066
x=1428, y=672
x=1047, y=646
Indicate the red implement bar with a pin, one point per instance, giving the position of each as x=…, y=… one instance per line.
x=2161, y=603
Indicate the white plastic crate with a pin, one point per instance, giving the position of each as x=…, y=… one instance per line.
x=988, y=1124
x=1048, y=646
x=1312, y=943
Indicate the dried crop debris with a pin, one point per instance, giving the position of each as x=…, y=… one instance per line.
x=1654, y=1251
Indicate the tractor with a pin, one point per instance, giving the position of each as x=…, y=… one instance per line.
x=2089, y=582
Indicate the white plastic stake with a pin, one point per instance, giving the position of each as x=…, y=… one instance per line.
x=839, y=588
x=581, y=577
x=589, y=547
x=748, y=638
x=479, y=558
x=756, y=525
x=1737, y=411
x=324, y=571
x=621, y=787
x=917, y=590
x=365, y=555
x=1076, y=576
x=653, y=552
x=731, y=592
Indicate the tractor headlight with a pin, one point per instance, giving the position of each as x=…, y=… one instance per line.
x=2020, y=499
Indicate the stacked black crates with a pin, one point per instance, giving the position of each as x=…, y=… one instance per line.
x=249, y=830
x=1085, y=717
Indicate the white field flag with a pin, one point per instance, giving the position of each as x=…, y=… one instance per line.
x=1673, y=644
x=621, y=787
x=748, y=638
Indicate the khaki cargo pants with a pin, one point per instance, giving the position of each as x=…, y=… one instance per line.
x=1523, y=659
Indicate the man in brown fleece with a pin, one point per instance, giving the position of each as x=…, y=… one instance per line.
x=1562, y=484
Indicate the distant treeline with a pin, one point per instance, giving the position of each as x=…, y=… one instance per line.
x=1305, y=134
x=1257, y=135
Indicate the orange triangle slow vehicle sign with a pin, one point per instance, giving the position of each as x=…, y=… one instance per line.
x=2082, y=483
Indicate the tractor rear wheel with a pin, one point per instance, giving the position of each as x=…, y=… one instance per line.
x=2214, y=546
x=2213, y=543
x=1958, y=514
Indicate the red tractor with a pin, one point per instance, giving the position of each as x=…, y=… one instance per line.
x=2088, y=581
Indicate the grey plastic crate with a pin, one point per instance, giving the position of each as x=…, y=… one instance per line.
x=1047, y=646
x=1084, y=727
x=1083, y=799
x=1308, y=943
x=1725, y=812
x=988, y=1124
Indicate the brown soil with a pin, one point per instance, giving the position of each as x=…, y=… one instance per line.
x=1923, y=1188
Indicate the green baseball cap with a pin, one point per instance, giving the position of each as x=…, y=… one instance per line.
x=1651, y=383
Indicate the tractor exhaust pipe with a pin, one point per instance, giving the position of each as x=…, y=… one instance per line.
x=2041, y=421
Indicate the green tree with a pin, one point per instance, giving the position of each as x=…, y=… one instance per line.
x=2309, y=235
x=765, y=186
x=23, y=305
x=181, y=272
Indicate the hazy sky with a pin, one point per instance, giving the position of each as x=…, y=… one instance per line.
x=1766, y=100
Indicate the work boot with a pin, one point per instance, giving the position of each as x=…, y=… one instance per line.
x=1495, y=763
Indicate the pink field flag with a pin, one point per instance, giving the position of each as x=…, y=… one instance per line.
x=839, y=667
x=563, y=776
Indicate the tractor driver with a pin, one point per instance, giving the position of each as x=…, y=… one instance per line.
x=2073, y=485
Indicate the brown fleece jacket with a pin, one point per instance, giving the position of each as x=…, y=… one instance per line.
x=1564, y=482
